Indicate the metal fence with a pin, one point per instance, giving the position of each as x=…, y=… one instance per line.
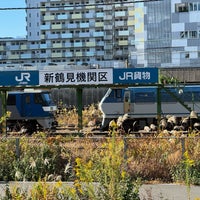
x=68, y=96
x=77, y=144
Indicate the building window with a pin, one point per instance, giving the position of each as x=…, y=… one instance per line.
x=194, y=6
x=193, y=34
x=181, y=7
x=189, y=34
x=183, y=34
x=185, y=55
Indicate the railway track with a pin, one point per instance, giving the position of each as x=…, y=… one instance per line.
x=87, y=132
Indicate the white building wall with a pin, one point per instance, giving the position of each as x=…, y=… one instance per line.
x=33, y=20
x=185, y=32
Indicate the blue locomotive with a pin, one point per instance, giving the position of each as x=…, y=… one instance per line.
x=31, y=110
x=141, y=102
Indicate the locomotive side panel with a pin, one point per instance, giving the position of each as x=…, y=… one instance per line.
x=143, y=102
x=30, y=110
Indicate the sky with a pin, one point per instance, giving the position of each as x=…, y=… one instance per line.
x=12, y=22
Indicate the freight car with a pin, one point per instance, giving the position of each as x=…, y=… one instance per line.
x=141, y=103
x=31, y=110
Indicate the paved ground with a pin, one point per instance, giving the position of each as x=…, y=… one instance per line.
x=147, y=191
x=169, y=192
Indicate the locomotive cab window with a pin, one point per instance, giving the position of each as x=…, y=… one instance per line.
x=38, y=99
x=46, y=98
x=116, y=93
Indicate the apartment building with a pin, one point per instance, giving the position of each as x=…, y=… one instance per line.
x=113, y=33
x=72, y=31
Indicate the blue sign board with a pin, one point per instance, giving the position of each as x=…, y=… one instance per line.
x=135, y=76
x=79, y=77
x=19, y=78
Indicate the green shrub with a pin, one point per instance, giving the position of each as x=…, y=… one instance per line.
x=39, y=158
x=8, y=157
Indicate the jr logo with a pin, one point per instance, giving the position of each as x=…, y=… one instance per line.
x=126, y=76
x=25, y=76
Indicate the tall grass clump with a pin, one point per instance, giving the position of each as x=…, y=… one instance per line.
x=8, y=156
x=40, y=158
x=70, y=116
x=105, y=176
x=188, y=169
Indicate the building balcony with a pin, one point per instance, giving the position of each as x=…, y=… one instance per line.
x=60, y=17
x=108, y=17
x=88, y=15
x=78, y=44
x=79, y=54
x=56, y=26
x=90, y=53
x=23, y=47
x=123, y=43
x=99, y=15
x=99, y=24
x=2, y=48
x=84, y=25
x=13, y=47
x=108, y=46
x=57, y=45
x=3, y=57
x=108, y=57
x=68, y=45
x=53, y=36
x=45, y=27
x=108, y=27
x=76, y=16
x=49, y=17
x=43, y=9
x=90, y=7
x=69, y=8
x=34, y=46
x=108, y=7
x=56, y=55
x=120, y=14
x=123, y=33
x=68, y=54
x=90, y=44
x=66, y=35
x=72, y=26
x=84, y=35
x=100, y=43
x=42, y=36
x=43, y=46
x=98, y=34
x=13, y=56
x=100, y=53
x=108, y=37
x=24, y=56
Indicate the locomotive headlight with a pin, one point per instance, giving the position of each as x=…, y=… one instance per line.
x=49, y=108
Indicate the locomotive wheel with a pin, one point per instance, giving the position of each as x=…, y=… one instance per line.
x=17, y=127
x=31, y=127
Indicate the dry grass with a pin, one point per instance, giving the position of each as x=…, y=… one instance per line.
x=70, y=116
